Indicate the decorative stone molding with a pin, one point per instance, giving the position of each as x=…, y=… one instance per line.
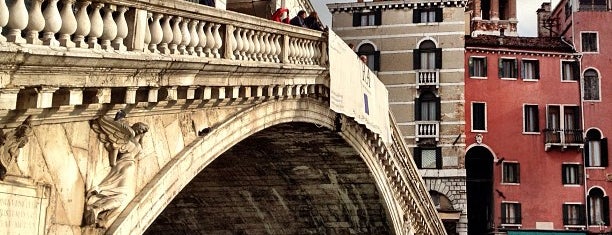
x=10, y=143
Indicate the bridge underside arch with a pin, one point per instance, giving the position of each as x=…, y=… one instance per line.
x=291, y=178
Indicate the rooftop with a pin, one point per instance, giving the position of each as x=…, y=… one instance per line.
x=550, y=44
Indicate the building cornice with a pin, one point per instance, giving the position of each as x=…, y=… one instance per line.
x=359, y=6
x=507, y=51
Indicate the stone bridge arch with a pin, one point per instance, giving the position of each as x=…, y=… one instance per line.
x=178, y=172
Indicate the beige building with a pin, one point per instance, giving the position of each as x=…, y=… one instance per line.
x=417, y=50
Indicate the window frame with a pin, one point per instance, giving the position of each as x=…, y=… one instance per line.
x=515, y=70
x=583, y=90
x=536, y=67
x=472, y=117
x=514, y=166
x=591, y=7
x=579, y=174
x=517, y=216
x=357, y=16
x=603, y=150
x=605, y=207
x=597, y=48
x=537, y=127
x=438, y=15
x=472, y=62
x=575, y=70
x=581, y=215
x=418, y=157
x=375, y=54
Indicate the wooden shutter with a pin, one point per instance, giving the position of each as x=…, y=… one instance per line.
x=589, y=209
x=377, y=61
x=356, y=19
x=581, y=218
x=604, y=152
x=501, y=68
x=515, y=69
x=417, y=109
x=378, y=17
x=575, y=70
x=518, y=215
x=471, y=66
x=580, y=174
x=563, y=179
x=586, y=153
x=417, y=156
x=537, y=69
x=606, y=210
x=438, y=54
x=504, y=219
x=438, y=158
x=485, y=66
x=439, y=15
x=416, y=59
x=565, y=215
x=416, y=16
x=438, y=109
x=518, y=172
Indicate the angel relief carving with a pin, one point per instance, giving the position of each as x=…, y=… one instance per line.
x=10, y=143
x=124, y=143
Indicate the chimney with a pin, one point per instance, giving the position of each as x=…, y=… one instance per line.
x=545, y=23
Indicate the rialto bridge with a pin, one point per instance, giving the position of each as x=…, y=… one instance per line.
x=169, y=117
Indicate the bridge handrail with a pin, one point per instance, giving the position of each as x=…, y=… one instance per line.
x=408, y=173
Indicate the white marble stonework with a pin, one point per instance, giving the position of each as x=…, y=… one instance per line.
x=23, y=208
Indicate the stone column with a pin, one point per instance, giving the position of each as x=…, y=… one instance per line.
x=494, y=13
x=477, y=8
x=512, y=9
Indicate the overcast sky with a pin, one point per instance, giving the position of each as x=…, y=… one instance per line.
x=526, y=13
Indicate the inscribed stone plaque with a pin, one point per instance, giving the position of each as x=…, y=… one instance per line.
x=22, y=209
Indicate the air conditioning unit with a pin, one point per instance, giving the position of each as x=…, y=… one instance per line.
x=609, y=177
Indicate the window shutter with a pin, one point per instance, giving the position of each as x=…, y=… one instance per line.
x=575, y=71
x=589, y=209
x=485, y=66
x=537, y=119
x=417, y=109
x=438, y=53
x=438, y=109
x=378, y=17
x=523, y=69
x=565, y=217
x=586, y=153
x=439, y=15
x=501, y=68
x=563, y=173
x=416, y=16
x=503, y=213
x=356, y=19
x=515, y=69
x=471, y=66
x=537, y=70
x=438, y=158
x=518, y=173
x=606, y=210
x=604, y=152
x=580, y=174
x=377, y=61
x=519, y=215
x=416, y=59
x=417, y=157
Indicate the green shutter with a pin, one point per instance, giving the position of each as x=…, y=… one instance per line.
x=378, y=17
x=604, y=152
x=501, y=68
x=356, y=19
x=416, y=16
x=416, y=59
x=439, y=14
x=471, y=66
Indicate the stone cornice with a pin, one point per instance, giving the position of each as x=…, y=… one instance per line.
x=358, y=6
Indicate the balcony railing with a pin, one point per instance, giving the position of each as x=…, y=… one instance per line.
x=564, y=138
x=428, y=77
x=427, y=129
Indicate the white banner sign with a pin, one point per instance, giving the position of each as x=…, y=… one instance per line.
x=355, y=90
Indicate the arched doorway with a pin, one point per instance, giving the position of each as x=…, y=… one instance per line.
x=479, y=170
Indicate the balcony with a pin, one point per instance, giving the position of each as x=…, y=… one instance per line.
x=428, y=77
x=427, y=130
x=562, y=138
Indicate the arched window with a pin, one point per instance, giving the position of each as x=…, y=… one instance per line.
x=371, y=54
x=595, y=149
x=598, y=206
x=591, y=85
x=427, y=56
x=427, y=107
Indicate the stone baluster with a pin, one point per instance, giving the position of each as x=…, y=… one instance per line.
x=238, y=40
x=177, y=37
x=122, y=29
x=147, y=39
x=110, y=28
x=203, y=39
x=317, y=55
x=262, y=47
x=279, y=49
x=250, y=53
x=36, y=22
x=69, y=24
x=218, y=41
x=186, y=37
x=257, y=49
x=302, y=51
x=232, y=44
x=210, y=40
x=53, y=23
x=83, y=24
x=18, y=20
x=195, y=40
x=245, y=44
x=157, y=33
x=292, y=50
x=167, y=37
x=270, y=47
x=4, y=17
x=97, y=26
x=310, y=52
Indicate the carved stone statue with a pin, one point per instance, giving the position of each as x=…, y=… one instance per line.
x=116, y=189
x=10, y=143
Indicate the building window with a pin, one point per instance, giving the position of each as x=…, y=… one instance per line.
x=478, y=66
x=595, y=149
x=593, y=5
x=479, y=117
x=589, y=42
x=428, y=158
x=510, y=213
x=569, y=71
x=427, y=56
x=427, y=107
x=598, y=206
x=507, y=68
x=530, y=69
x=573, y=214
x=511, y=172
x=368, y=18
x=532, y=119
x=372, y=56
x=591, y=85
x=572, y=173
x=427, y=15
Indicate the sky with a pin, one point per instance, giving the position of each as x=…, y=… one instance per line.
x=526, y=13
